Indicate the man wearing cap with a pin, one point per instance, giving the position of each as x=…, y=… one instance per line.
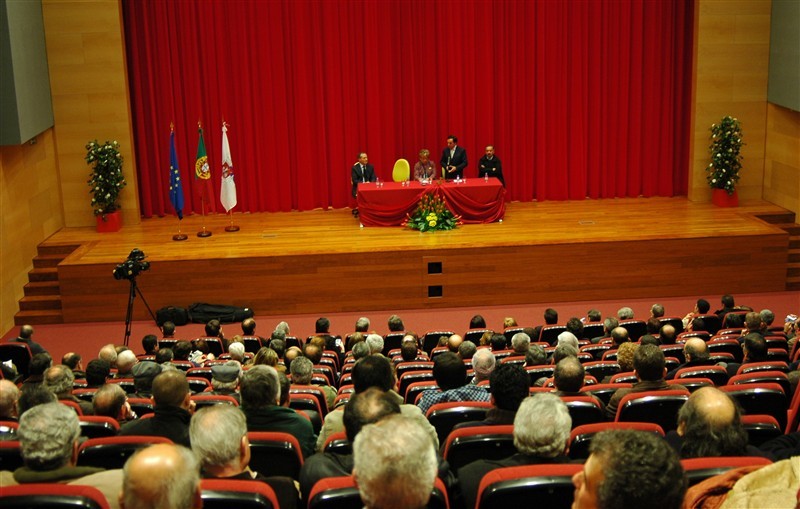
x=143, y=374
x=225, y=379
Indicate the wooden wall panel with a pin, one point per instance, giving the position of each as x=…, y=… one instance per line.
x=30, y=206
x=88, y=79
x=782, y=164
x=731, y=66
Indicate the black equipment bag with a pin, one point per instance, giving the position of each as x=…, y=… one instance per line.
x=200, y=312
x=176, y=315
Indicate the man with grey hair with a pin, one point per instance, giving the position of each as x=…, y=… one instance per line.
x=302, y=370
x=236, y=351
x=125, y=362
x=283, y=327
x=541, y=435
x=162, y=476
x=360, y=350
x=609, y=324
x=48, y=435
x=9, y=394
x=59, y=380
x=483, y=363
x=362, y=324
x=375, y=343
x=225, y=379
x=394, y=464
x=625, y=313
x=466, y=350
x=261, y=394
x=219, y=440
x=657, y=310
x=567, y=338
x=109, y=354
x=767, y=317
x=520, y=343
x=395, y=324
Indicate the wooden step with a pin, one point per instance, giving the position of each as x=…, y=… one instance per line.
x=38, y=317
x=56, y=249
x=794, y=255
x=794, y=242
x=792, y=228
x=42, y=288
x=40, y=302
x=44, y=261
x=777, y=217
x=45, y=274
x=793, y=283
x=792, y=270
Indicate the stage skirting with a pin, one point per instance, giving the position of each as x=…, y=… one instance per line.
x=475, y=200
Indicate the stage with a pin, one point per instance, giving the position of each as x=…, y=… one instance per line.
x=322, y=262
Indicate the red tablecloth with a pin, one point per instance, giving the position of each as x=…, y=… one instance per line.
x=475, y=200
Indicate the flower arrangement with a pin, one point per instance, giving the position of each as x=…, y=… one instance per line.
x=106, y=179
x=726, y=142
x=432, y=214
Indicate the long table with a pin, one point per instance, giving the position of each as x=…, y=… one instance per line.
x=475, y=200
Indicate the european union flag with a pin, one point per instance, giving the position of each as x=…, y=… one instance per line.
x=175, y=186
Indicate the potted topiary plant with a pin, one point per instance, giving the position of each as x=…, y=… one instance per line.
x=105, y=182
x=723, y=171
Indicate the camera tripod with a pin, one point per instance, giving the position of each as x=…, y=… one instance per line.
x=129, y=315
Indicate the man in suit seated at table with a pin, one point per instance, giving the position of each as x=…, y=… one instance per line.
x=490, y=165
x=361, y=172
x=454, y=159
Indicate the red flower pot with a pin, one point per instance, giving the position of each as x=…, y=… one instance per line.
x=721, y=198
x=112, y=222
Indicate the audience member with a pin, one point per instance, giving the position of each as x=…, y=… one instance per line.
x=150, y=341
x=360, y=350
x=728, y=305
x=657, y=310
x=59, y=380
x=110, y=400
x=466, y=350
x=25, y=336
x=394, y=465
x=225, y=379
x=32, y=396
x=74, y=362
x=575, y=327
x=648, y=365
x=509, y=385
x=701, y=307
x=375, y=343
x=477, y=322
x=696, y=353
x=125, y=362
x=594, y=316
x=709, y=424
x=520, y=343
x=173, y=410
x=667, y=335
x=753, y=324
x=541, y=435
x=395, y=324
x=302, y=372
x=609, y=324
x=38, y=364
x=629, y=469
x=568, y=338
x=408, y=351
x=755, y=349
x=109, y=354
x=9, y=394
x=498, y=342
x=162, y=476
x=535, y=356
x=451, y=376
x=48, y=435
x=625, y=354
x=625, y=313
x=365, y=407
x=509, y=321
x=453, y=342
x=98, y=372
x=260, y=392
x=143, y=375
x=653, y=325
x=219, y=440
x=374, y=371
x=620, y=335
x=164, y=358
x=483, y=364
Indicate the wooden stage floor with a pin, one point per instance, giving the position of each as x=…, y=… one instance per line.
x=322, y=262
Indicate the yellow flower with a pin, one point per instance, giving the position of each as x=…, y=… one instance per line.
x=431, y=223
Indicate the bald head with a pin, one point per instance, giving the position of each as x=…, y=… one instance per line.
x=454, y=342
x=9, y=394
x=710, y=424
x=161, y=476
x=25, y=332
x=696, y=350
x=109, y=354
x=714, y=406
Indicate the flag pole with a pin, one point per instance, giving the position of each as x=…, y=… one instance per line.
x=232, y=227
x=178, y=236
x=202, y=233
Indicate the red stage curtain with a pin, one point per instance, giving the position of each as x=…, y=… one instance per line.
x=580, y=98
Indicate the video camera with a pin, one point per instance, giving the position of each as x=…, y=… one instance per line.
x=131, y=267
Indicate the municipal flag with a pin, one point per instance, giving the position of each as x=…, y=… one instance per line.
x=227, y=192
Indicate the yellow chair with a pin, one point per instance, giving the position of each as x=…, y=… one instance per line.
x=401, y=171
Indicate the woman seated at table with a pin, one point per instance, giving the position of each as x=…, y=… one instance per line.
x=424, y=169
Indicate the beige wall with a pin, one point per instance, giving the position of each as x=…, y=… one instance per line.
x=30, y=206
x=732, y=58
x=89, y=87
x=782, y=162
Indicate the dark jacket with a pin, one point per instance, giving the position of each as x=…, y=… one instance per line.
x=278, y=418
x=169, y=422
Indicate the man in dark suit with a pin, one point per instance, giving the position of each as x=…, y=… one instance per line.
x=362, y=172
x=490, y=165
x=454, y=159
